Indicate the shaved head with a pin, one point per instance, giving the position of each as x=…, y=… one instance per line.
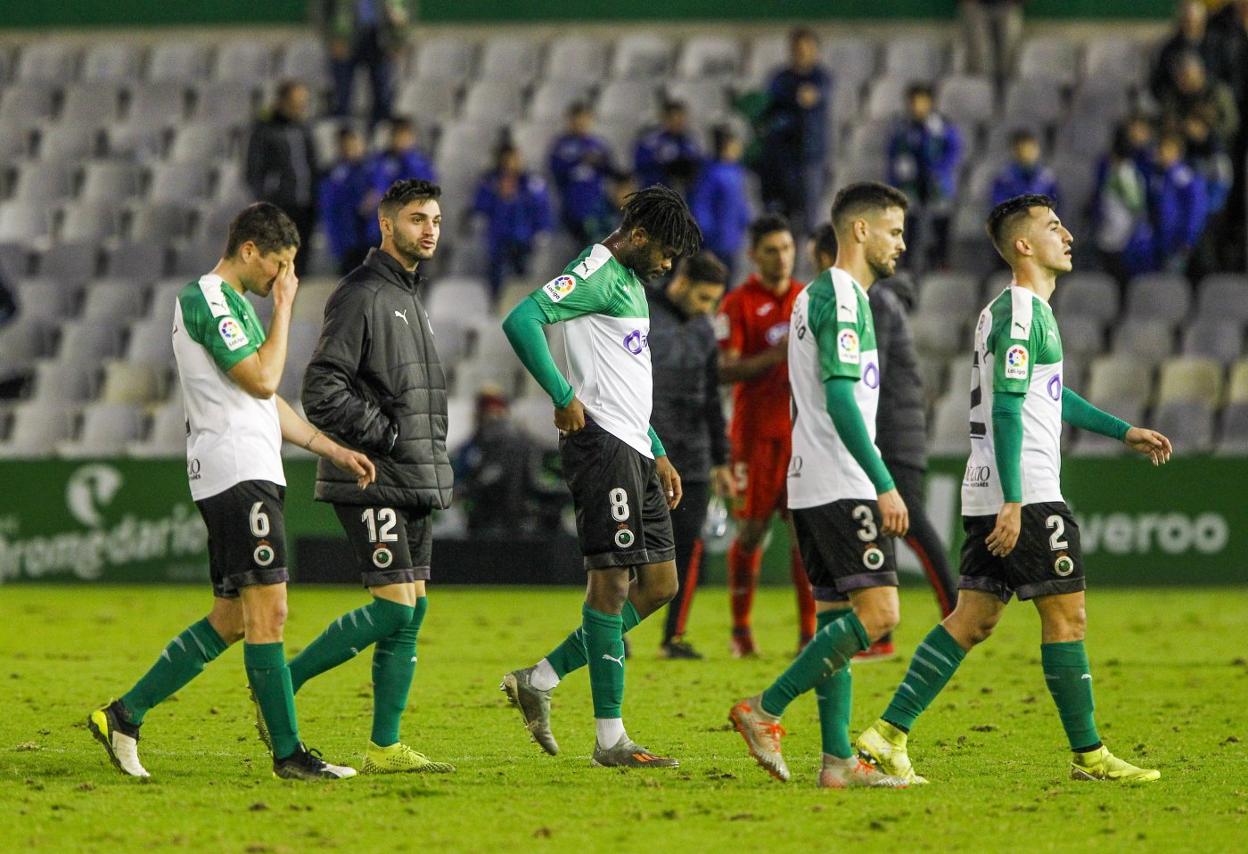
x=1010, y=219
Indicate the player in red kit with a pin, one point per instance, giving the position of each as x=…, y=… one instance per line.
x=753, y=327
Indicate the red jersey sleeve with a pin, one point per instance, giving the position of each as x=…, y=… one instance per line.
x=729, y=324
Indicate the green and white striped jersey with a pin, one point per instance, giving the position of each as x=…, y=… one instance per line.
x=1016, y=344
x=231, y=436
x=602, y=305
x=831, y=334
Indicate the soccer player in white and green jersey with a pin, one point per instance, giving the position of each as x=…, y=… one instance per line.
x=229, y=370
x=845, y=505
x=623, y=486
x=1021, y=538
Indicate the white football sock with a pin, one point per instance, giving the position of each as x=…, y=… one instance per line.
x=543, y=677
x=610, y=731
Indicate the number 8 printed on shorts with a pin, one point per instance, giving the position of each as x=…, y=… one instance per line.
x=619, y=504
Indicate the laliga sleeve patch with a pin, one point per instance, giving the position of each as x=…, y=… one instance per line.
x=847, y=347
x=559, y=287
x=232, y=333
x=1016, y=359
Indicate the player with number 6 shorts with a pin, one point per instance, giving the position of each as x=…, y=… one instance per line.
x=229, y=370
x=1021, y=539
x=845, y=505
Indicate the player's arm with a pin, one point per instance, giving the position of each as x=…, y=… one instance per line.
x=1079, y=413
x=299, y=432
x=331, y=394
x=1012, y=360
x=669, y=478
x=259, y=373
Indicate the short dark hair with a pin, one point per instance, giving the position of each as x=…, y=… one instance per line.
x=767, y=224
x=662, y=212
x=673, y=105
x=287, y=85
x=798, y=34
x=406, y=191
x=346, y=131
x=400, y=123
x=704, y=267
x=265, y=225
x=824, y=239
x=1023, y=135
x=577, y=108
x=721, y=135
x=1005, y=216
x=863, y=196
x=918, y=89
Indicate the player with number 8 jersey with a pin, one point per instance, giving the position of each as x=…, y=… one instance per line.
x=1021, y=538
x=229, y=370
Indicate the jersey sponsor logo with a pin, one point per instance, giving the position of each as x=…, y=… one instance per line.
x=1055, y=387
x=722, y=326
x=977, y=477
x=764, y=309
x=1064, y=565
x=192, y=469
x=847, y=346
x=559, y=287
x=635, y=342
x=232, y=333
x=871, y=376
x=1016, y=359
x=264, y=553
x=776, y=333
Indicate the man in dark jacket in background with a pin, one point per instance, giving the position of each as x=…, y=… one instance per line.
x=688, y=414
x=281, y=162
x=375, y=382
x=900, y=425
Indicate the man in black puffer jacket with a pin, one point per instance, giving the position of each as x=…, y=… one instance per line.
x=375, y=383
x=900, y=426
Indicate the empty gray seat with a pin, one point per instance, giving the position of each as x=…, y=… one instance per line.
x=105, y=430
x=1050, y=56
x=553, y=97
x=1111, y=57
x=495, y=102
x=184, y=183
x=1081, y=335
x=428, y=97
x=1082, y=134
x=940, y=333
x=136, y=260
x=1162, y=295
x=113, y=61
x=196, y=257
x=1107, y=101
x=241, y=59
x=576, y=57
x=166, y=435
x=635, y=99
x=767, y=53
x=112, y=301
x=642, y=56
x=706, y=99
x=445, y=56
x=886, y=97
x=869, y=139
x=15, y=141
x=35, y=430
x=93, y=104
x=950, y=431
x=1233, y=430
x=709, y=56
x=1188, y=425
x=23, y=341
x=20, y=223
x=150, y=342
x=1091, y=294
x=1214, y=338
x=950, y=293
x=967, y=100
x=178, y=61
x=42, y=183
x=68, y=142
x=156, y=106
x=158, y=222
x=1147, y=339
x=305, y=59
x=1223, y=295
x=109, y=181
x=57, y=379
x=49, y=61
x=84, y=343
x=227, y=102
x=43, y=299
x=70, y=262
x=1119, y=379
x=914, y=58
x=533, y=139
x=1033, y=100
x=26, y=102
x=511, y=58
x=200, y=142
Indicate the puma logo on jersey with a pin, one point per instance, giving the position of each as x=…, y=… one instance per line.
x=402, y=315
x=619, y=661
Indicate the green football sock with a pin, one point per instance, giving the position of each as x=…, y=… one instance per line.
x=604, y=645
x=183, y=659
x=394, y=665
x=270, y=680
x=1067, y=673
x=570, y=655
x=934, y=662
x=348, y=636
x=835, y=698
x=828, y=651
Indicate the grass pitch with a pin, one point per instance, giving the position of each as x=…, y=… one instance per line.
x=1171, y=691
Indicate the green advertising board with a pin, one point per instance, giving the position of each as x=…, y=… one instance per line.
x=133, y=520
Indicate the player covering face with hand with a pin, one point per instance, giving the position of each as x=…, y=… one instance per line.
x=623, y=486
x=229, y=371
x=1020, y=536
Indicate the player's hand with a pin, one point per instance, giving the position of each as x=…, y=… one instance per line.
x=723, y=483
x=669, y=478
x=285, y=284
x=1004, y=534
x=894, y=517
x=1150, y=443
x=570, y=418
x=355, y=463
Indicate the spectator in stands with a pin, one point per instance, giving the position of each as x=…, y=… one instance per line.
x=499, y=473
x=401, y=160
x=668, y=154
x=516, y=209
x=1209, y=160
x=924, y=154
x=1195, y=94
x=362, y=34
x=342, y=202
x=582, y=166
x=1192, y=35
x=1024, y=174
x=719, y=200
x=1230, y=26
x=1177, y=205
x=1121, y=230
x=281, y=162
x=795, y=145
x=992, y=30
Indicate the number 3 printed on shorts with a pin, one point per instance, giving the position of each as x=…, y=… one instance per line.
x=380, y=524
x=1058, y=525
x=619, y=504
x=863, y=516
